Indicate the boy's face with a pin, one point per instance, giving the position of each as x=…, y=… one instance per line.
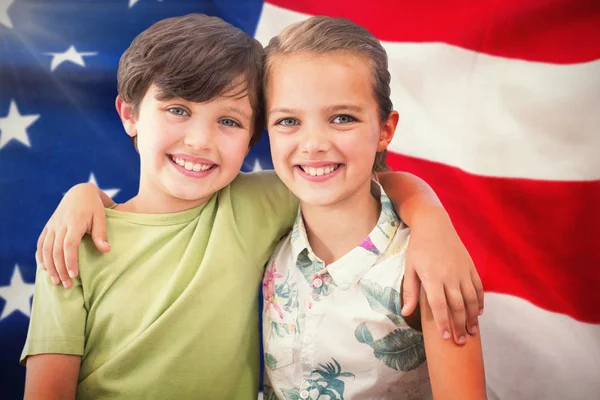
x=324, y=126
x=188, y=151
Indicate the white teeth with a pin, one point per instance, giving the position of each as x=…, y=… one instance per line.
x=188, y=165
x=319, y=171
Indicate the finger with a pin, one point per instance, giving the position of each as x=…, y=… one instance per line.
x=456, y=304
x=411, y=287
x=472, y=307
x=58, y=255
x=38, y=250
x=439, y=309
x=99, y=232
x=71, y=246
x=478, y=289
x=47, y=258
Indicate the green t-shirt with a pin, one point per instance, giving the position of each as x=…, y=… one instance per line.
x=171, y=312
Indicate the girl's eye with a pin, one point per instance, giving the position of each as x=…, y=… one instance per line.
x=230, y=122
x=343, y=119
x=178, y=111
x=287, y=122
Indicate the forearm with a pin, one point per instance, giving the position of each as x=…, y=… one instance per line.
x=87, y=190
x=456, y=372
x=411, y=196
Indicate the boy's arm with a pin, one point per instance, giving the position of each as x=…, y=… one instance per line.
x=436, y=257
x=52, y=377
x=80, y=211
x=456, y=372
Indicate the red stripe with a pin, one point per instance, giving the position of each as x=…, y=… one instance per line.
x=538, y=240
x=556, y=31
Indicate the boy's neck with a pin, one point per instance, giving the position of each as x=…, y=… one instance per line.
x=334, y=230
x=157, y=203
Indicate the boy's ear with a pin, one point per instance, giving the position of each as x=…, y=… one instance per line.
x=127, y=115
x=387, y=130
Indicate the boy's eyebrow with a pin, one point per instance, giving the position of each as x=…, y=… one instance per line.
x=239, y=111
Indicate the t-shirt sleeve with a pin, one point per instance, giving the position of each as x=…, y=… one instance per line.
x=58, y=318
x=265, y=211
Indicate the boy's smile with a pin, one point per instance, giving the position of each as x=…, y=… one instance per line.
x=191, y=165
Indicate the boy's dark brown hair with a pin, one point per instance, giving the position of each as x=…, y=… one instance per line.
x=321, y=35
x=196, y=58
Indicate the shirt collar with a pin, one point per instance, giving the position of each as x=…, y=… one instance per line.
x=352, y=266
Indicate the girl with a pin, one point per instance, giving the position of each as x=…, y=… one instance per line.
x=332, y=326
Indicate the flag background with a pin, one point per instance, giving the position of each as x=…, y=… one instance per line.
x=500, y=113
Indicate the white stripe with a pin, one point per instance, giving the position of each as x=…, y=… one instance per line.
x=531, y=353
x=487, y=115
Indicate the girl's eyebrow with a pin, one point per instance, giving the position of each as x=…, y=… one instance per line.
x=283, y=110
x=344, y=107
x=330, y=109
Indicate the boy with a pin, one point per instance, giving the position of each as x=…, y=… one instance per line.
x=171, y=311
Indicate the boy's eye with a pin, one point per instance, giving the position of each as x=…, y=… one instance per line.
x=343, y=119
x=287, y=122
x=230, y=122
x=178, y=111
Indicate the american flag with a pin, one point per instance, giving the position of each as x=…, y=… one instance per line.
x=500, y=113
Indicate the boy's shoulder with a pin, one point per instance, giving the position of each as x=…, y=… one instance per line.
x=255, y=181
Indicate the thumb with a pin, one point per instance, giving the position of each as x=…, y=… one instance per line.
x=99, y=232
x=411, y=287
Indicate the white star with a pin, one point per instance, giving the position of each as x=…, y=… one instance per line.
x=4, y=18
x=71, y=55
x=109, y=192
x=257, y=166
x=14, y=126
x=17, y=295
x=132, y=3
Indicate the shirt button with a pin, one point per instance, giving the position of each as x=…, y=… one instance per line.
x=307, y=339
x=318, y=283
x=304, y=394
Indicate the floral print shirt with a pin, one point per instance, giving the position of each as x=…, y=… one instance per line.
x=335, y=331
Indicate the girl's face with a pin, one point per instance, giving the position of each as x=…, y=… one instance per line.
x=324, y=125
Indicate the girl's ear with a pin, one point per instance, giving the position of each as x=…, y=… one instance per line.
x=387, y=130
x=127, y=115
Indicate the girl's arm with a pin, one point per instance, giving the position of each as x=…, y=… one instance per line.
x=80, y=211
x=435, y=257
x=456, y=372
x=52, y=377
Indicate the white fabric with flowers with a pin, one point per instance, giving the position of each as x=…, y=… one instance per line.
x=335, y=331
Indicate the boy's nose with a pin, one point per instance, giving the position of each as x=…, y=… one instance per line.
x=199, y=138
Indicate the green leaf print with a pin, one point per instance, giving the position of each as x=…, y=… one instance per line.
x=363, y=334
x=270, y=361
x=307, y=267
x=327, y=380
x=402, y=350
x=291, y=394
x=383, y=300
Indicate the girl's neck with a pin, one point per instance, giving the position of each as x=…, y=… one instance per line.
x=334, y=230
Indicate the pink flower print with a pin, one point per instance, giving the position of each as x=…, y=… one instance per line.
x=367, y=244
x=269, y=289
